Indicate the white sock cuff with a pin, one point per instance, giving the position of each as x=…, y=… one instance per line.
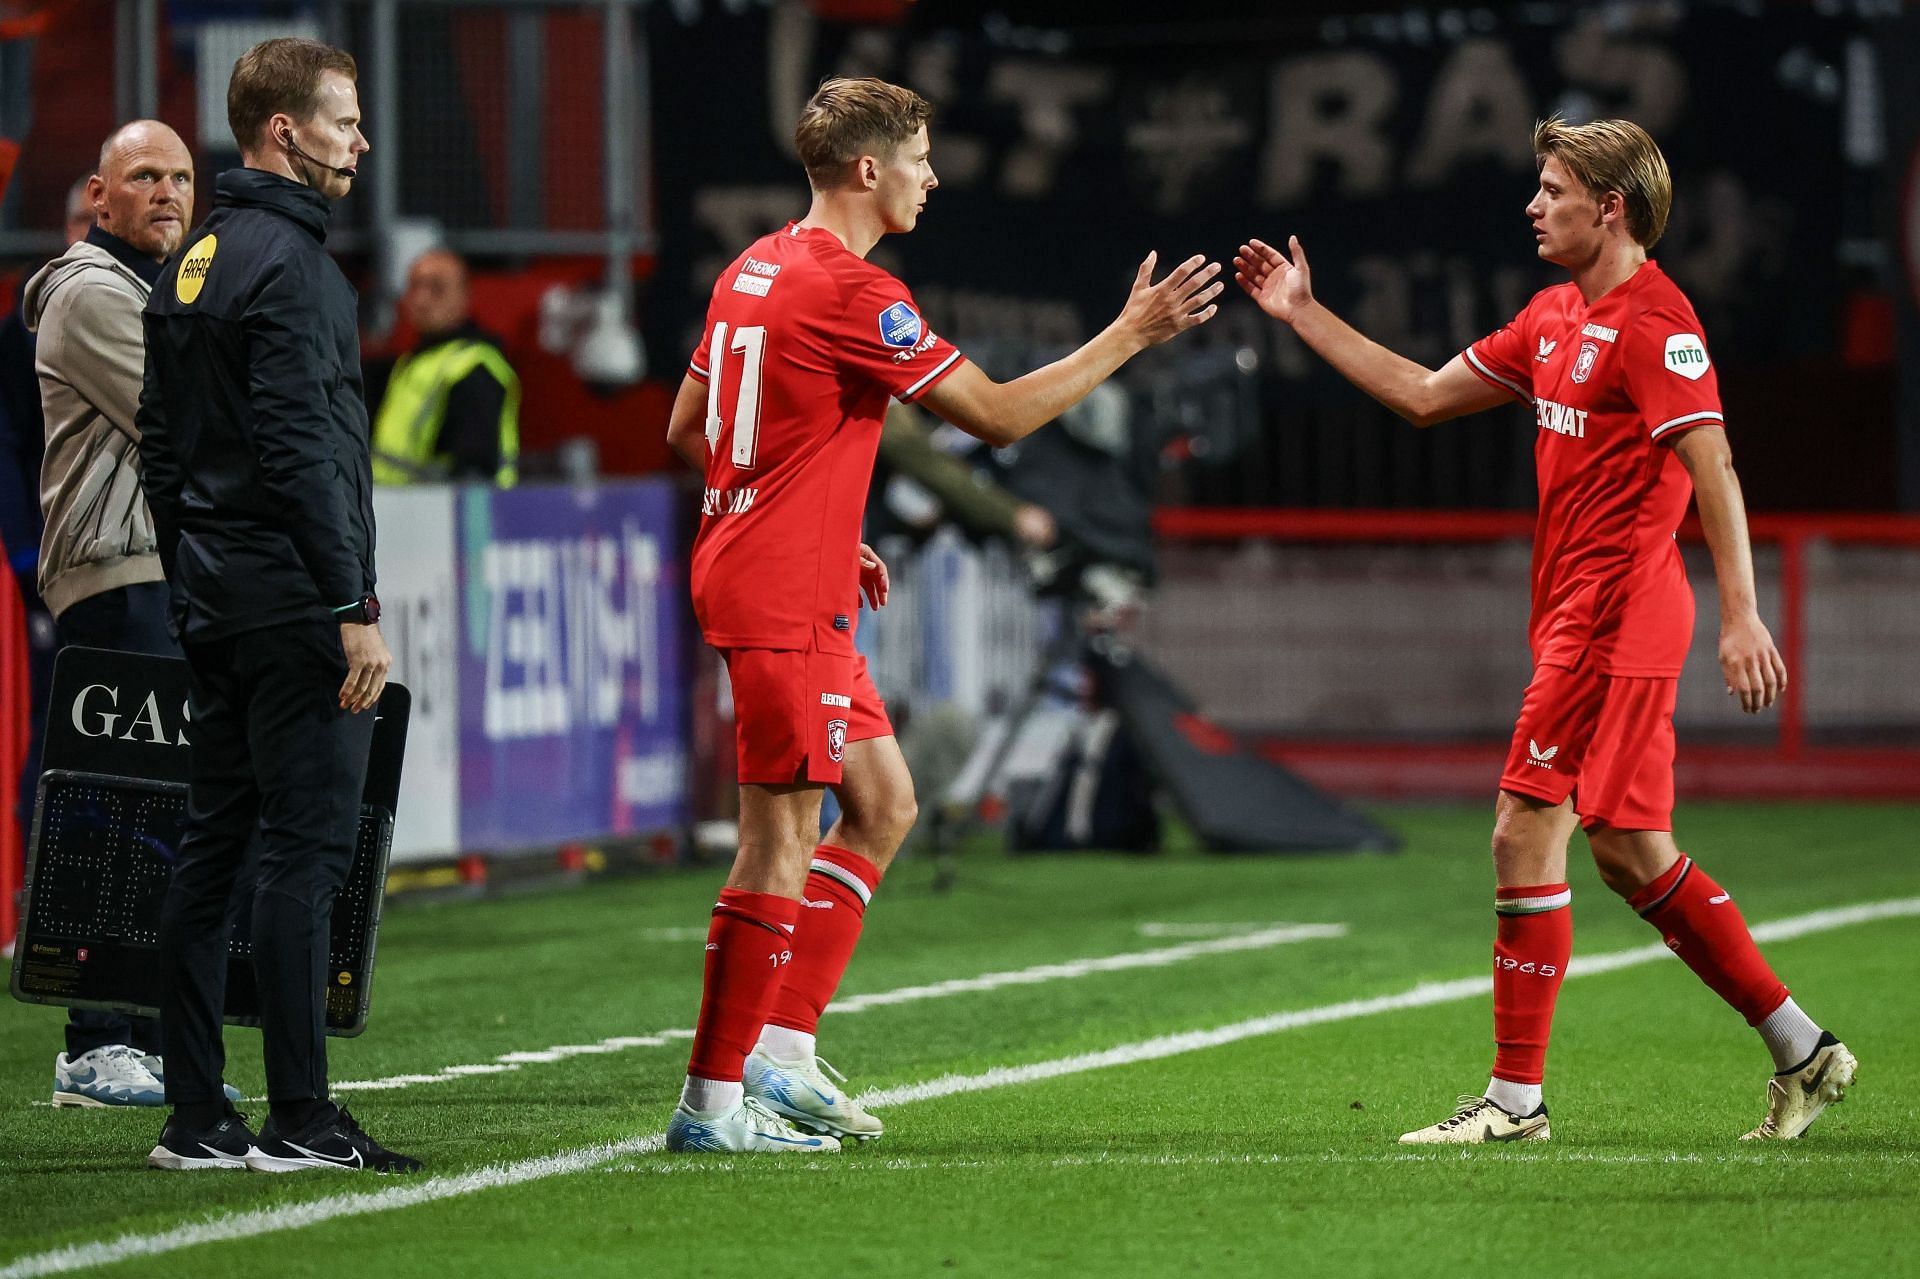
x=1533, y=905
x=1518, y=1100
x=710, y=1096
x=1790, y=1035
x=840, y=874
x=784, y=1043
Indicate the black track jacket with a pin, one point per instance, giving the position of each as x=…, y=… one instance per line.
x=253, y=426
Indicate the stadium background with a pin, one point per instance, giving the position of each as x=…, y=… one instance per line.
x=1342, y=591
x=1332, y=583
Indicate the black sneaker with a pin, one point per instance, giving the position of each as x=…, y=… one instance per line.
x=332, y=1140
x=225, y=1145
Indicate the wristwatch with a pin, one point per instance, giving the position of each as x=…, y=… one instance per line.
x=365, y=610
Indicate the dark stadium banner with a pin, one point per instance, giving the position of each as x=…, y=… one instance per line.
x=1903, y=50
x=1395, y=145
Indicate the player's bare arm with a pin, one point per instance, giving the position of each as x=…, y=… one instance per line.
x=1754, y=670
x=1003, y=412
x=687, y=424
x=1282, y=285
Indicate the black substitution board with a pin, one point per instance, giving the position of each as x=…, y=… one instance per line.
x=110, y=811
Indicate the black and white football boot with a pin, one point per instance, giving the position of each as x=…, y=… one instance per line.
x=329, y=1140
x=184, y=1149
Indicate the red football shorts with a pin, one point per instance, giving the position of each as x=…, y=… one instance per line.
x=795, y=711
x=1606, y=740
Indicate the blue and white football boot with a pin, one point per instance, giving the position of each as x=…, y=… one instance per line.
x=801, y=1092
x=748, y=1128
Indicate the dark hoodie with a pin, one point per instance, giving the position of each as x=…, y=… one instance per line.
x=254, y=435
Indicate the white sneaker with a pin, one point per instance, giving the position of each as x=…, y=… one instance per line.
x=1795, y=1098
x=109, y=1076
x=748, y=1128
x=1479, y=1120
x=801, y=1092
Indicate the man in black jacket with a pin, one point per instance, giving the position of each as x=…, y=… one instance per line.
x=254, y=448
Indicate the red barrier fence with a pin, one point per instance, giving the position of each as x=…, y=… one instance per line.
x=15, y=732
x=1842, y=593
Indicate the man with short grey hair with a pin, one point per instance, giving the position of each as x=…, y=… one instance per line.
x=99, y=567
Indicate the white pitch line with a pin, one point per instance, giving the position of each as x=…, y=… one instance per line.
x=1268, y=936
x=263, y=1221
x=1282, y=935
x=1772, y=1158
x=1178, y=928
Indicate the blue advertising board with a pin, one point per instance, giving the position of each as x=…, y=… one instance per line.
x=571, y=703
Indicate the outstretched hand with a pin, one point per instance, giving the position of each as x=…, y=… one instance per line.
x=1182, y=301
x=1281, y=284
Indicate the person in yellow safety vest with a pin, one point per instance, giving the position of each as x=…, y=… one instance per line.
x=452, y=406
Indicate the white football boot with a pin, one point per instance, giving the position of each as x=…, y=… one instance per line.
x=801, y=1092
x=1479, y=1120
x=748, y=1128
x=1795, y=1098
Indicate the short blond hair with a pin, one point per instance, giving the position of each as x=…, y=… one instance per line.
x=848, y=118
x=1613, y=155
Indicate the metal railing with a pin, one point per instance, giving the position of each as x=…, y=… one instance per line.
x=428, y=68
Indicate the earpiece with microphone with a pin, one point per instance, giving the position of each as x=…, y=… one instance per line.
x=286, y=140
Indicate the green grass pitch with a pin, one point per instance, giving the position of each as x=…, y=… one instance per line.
x=1271, y=1154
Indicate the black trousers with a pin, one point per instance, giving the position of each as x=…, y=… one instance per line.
x=132, y=619
x=272, y=748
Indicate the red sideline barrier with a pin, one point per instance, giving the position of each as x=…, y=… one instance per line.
x=1450, y=770
x=1788, y=769
x=15, y=731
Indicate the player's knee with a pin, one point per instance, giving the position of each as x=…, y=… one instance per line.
x=1510, y=848
x=903, y=812
x=1617, y=876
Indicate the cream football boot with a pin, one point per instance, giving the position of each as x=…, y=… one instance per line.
x=1479, y=1120
x=1795, y=1098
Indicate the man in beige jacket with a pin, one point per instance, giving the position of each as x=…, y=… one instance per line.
x=99, y=568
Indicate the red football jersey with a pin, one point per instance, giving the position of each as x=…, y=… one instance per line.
x=804, y=344
x=1612, y=386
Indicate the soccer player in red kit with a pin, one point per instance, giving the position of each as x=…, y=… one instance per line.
x=805, y=342
x=1628, y=412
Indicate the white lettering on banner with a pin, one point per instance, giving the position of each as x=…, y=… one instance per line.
x=1479, y=107
x=93, y=719
x=1045, y=96
x=1561, y=418
x=573, y=631
x=1332, y=110
x=648, y=781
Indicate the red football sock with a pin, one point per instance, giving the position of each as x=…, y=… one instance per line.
x=1703, y=926
x=1530, y=952
x=749, y=947
x=834, y=903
